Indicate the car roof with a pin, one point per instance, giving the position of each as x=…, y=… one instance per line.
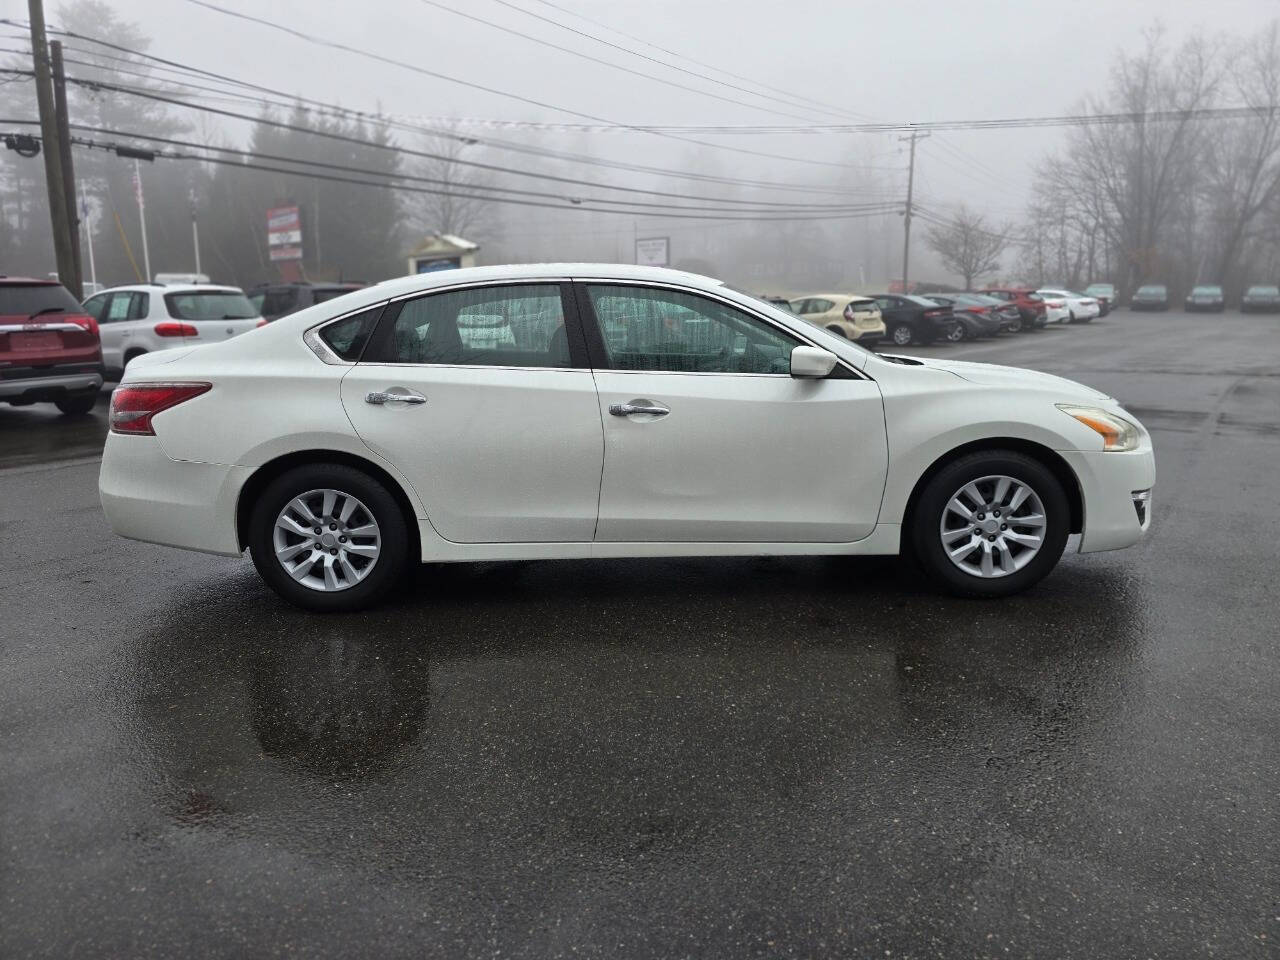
x=831, y=296
x=170, y=288
x=29, y=281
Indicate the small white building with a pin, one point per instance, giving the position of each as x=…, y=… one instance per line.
x=442, y=251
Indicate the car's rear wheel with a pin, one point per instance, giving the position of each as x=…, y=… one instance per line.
x=77, y=405
x=131, y=356
x=901, y=334
x=328, y=537
x=957, y=333
x=990, y=524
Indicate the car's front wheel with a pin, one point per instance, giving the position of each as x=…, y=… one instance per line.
x=328, y=537
x=990, y=524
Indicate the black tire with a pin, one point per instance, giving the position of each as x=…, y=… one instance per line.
x=901, y=334
x=837, y=331
x=958, y=334
x=129, y=357
x=389, y=565
x=77, y=405
x=925, y=542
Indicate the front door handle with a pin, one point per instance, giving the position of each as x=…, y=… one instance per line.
x=639, y=406
x=394, y=396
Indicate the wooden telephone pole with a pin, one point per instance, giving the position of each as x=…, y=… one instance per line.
x=906, y=217
x=57, y=156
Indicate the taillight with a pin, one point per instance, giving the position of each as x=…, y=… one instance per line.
x=133, y=405
x=848, y=312
x=262, y=322
x=934, y=313
x=980, y=309
x=170, y=329
x=86, y=321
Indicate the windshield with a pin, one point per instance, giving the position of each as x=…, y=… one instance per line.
x=25, y=299
x=1264, y=291
x=922, y=301
x=210, y=305
x=1207, y=291
x=1155, y=290
x=1100, y=288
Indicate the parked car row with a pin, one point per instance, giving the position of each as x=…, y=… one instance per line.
x=923, y=318
x=1257, y=298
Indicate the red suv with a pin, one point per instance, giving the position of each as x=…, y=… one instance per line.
x=49, y=347
x=1029, y=303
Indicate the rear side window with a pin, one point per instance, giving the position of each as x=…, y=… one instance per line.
x=515, y=326
x=141, y=306
x=210, y=305
x=25, y=299
x=320, y=296
x=347, y=338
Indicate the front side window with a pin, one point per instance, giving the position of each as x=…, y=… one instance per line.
x=653, y=329
x=515, y=326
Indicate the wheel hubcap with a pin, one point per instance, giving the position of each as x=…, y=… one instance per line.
x=901, y=336
x=993, y=526
x=327, y=540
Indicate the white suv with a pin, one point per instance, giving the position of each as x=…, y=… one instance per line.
x=139, y=319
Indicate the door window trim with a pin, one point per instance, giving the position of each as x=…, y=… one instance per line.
x=600, y=356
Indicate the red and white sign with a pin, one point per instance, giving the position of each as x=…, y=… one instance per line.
x=284, y=233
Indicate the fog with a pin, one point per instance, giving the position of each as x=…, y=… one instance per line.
x=913, y=62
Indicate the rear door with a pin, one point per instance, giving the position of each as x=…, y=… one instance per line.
x=483, y=397
x=708, y=438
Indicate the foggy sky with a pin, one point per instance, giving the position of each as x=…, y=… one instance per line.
x=899, y=61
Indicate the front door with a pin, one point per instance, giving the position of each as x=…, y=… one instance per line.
x=483, y=398
x=709, y=438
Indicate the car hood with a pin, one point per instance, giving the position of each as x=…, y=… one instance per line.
x=994, y=375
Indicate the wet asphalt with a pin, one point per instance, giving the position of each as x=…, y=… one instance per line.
x=666, y=758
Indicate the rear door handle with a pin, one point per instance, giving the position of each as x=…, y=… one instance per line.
x=394, y=395
x=639, y=406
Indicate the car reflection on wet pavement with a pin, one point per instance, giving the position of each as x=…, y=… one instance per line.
x=743, y=757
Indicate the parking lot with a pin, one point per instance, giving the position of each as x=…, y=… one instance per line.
x=729, y=758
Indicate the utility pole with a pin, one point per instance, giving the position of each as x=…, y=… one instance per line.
x=142, y=219
x=88, y=235
x=195, y=229
x=906, y=217
x=55, y=181
x=68, y=170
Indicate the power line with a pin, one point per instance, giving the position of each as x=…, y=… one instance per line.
x=391, y=61
x=642, y=56
x=331, y=135
x=688, y=59
x=175, y=66
x=608, y=63
x=678, y=213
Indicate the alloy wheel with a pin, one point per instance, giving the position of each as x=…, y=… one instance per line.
x=902, y=335
x=993, y=526
x=327, y=540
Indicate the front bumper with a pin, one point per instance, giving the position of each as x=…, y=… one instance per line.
x=31, y=385
x=1108, y=484
x=178, y=503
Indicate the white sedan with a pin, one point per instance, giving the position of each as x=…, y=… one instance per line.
x=1080, y=309
x=592, y=410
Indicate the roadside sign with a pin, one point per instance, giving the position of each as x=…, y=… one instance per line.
x=284, y=233
x=653, y=251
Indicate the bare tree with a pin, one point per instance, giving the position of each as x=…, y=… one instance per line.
x=968, y=245
x=462, y=208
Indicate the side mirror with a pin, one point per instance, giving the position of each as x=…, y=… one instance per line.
x=812, y=362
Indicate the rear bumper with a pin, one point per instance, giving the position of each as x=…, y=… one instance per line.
x=178, y=503
x=49, y=384
x=1108, y=484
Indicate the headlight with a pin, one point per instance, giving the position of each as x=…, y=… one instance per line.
x=1117, y=433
